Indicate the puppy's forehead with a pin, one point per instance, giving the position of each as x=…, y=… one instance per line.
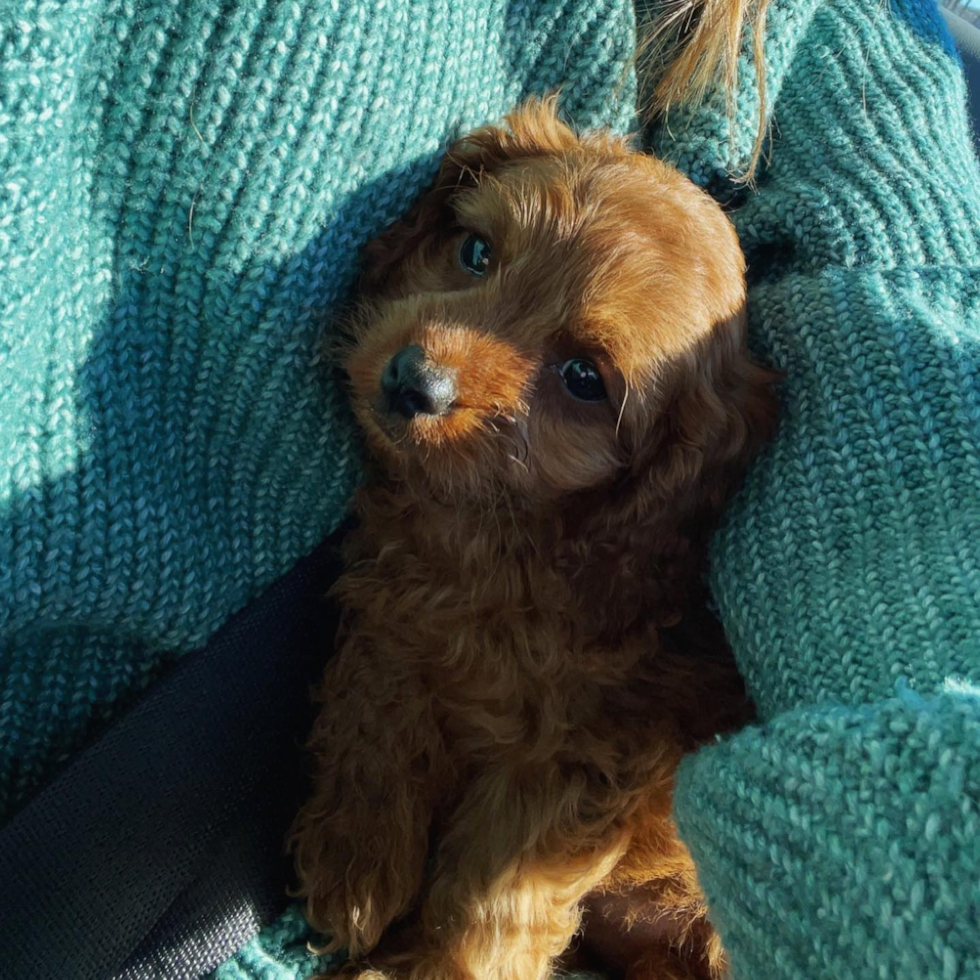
x=555, y=197
x=632, y=257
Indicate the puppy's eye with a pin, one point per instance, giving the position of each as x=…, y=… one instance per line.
x=474, y=255
x=582, y=380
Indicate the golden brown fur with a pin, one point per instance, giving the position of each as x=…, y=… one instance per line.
x=525, y=654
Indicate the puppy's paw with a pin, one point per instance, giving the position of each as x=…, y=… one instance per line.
x=356, y=885
x=341, y=903
x=361, y=841
x=356, y=971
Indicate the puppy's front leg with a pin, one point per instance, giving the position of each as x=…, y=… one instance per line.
x=517, y=860
x=360, y=843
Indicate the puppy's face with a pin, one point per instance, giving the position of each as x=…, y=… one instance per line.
x=533, y=325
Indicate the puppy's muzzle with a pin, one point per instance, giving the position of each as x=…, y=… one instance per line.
x=412, y=385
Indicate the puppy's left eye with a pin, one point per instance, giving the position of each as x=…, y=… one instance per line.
x=582, y=380
x=474, y=255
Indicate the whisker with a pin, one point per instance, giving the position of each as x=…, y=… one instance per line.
x=622, y=408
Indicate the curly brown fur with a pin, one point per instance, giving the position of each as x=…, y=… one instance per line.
x=525, y=653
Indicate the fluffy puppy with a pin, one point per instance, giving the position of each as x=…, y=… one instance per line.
x=549, y=365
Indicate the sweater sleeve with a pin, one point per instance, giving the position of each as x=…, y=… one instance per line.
x=844, y=842
x=185, y=187
x=838, y=837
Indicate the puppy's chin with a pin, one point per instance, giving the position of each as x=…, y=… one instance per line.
x=448, y=459
x=392, y=440
x=392, y=432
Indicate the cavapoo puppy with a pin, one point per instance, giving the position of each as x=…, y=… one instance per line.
x=549, y=365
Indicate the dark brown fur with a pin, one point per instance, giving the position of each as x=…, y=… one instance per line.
x=525, y=653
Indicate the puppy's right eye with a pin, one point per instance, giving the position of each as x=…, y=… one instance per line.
x=474, y=255
x=582, y=380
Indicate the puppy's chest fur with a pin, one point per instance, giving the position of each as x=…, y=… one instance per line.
x=477, y=612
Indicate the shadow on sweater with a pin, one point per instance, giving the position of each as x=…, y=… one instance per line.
x=214, y=448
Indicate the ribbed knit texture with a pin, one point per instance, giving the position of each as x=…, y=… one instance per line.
x=840, y=838
x=184, y=188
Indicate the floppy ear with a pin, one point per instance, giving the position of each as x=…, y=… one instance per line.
x=533, y=129
x=719, y=410
x=640, y=553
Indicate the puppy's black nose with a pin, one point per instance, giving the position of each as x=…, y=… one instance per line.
x=414, y=386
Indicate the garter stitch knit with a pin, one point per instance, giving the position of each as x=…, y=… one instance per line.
x=840, y=839
x=184, y=189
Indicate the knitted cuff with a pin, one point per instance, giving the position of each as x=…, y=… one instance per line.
x=843, y=843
